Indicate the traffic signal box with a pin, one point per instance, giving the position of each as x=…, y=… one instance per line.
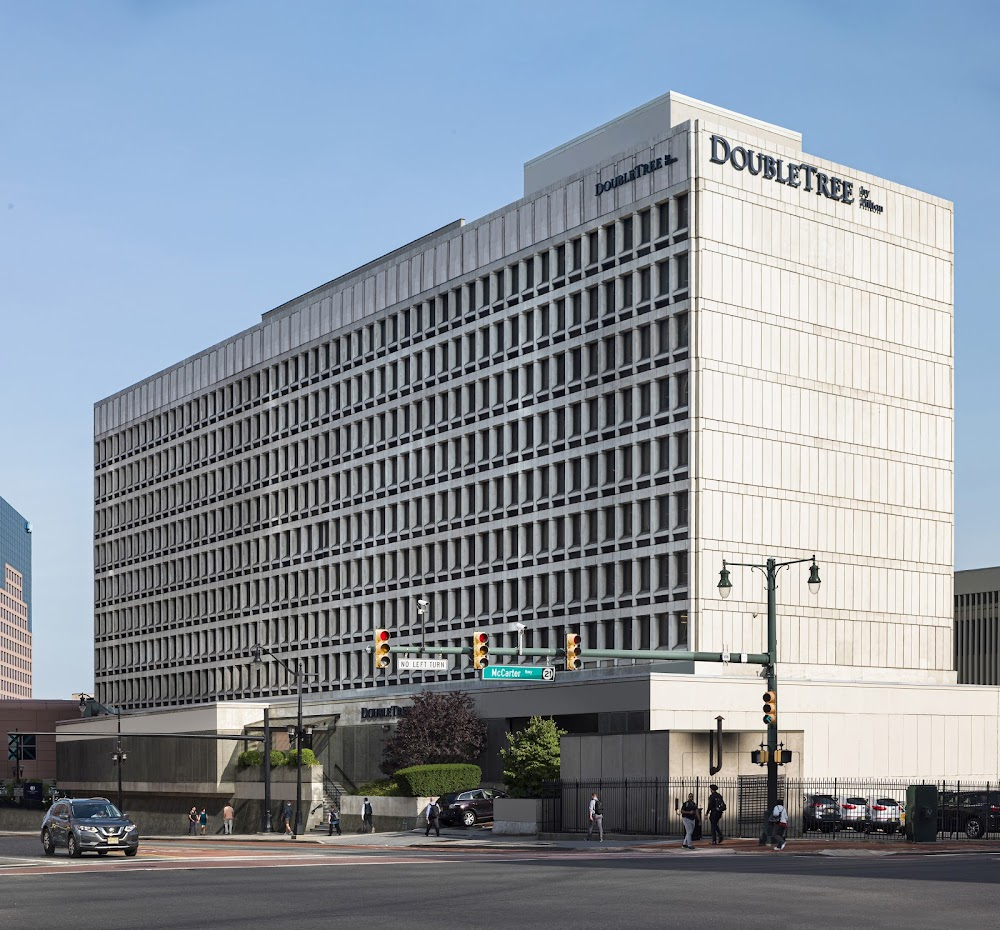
x=480, y=649
x=382, y=648
x=770, y=707
x=572, y=652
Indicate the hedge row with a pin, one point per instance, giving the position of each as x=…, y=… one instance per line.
x=425, y=781
x=254, y=757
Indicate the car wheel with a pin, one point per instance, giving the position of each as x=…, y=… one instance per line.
x=131, y=852
x=47, y=844
x=974, y=828
x=468, y=818
x=73, y=847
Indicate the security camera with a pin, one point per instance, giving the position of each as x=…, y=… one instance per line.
x=422, y=605
x=755, y=616
x=520, y=627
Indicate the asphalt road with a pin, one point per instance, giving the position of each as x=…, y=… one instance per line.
x=223, y=888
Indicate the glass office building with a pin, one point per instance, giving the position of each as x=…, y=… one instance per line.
x=15, y=604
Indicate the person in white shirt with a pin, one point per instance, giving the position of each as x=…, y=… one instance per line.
x=779, y=820
x=596, y=813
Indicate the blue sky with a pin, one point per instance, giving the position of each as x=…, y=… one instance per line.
x=171, y=170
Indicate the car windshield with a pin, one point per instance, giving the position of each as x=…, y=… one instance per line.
x=447, y=798
x=886, y=801
x=95, y=810
x=824, y=799
x=857, y=800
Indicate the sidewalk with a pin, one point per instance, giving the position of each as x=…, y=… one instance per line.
x=481, y=839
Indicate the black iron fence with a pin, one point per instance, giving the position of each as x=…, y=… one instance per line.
x=835, y=808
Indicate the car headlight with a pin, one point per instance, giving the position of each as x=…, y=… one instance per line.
x=133, y=828
x=86, y=829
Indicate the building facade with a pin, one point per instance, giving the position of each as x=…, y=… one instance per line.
x=15, y=604
x=689, y=341
x=977, y=626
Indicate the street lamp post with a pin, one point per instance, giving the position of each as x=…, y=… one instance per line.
x=770, y=570
x=299, y=674
x=117, y=757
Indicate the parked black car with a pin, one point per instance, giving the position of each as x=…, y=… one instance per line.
x=821, y=812
x=88, y=825
x=974, y=813
x=468, y=807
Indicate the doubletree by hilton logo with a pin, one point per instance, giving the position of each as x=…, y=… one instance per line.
x=639, y=171
x=793, y=174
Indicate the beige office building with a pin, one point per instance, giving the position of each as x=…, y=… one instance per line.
x=690, y=341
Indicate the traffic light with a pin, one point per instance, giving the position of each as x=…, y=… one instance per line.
x=783, y=756
x=480, y=649
x=770, y=708
x=381, y=648
x=572, y=652
x=759, y=756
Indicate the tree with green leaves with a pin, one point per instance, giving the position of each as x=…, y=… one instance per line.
x=441, y=727
x=531, y=757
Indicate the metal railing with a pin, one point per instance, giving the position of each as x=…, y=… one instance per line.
x=835, y=808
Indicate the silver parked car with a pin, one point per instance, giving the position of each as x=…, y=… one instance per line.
x=88, y=825
x=885, y=814
x=854, y=814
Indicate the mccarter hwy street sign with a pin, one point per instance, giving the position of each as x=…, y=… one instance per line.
x=519, y=673
x=421, y=665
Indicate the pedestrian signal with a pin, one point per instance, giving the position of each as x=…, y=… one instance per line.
x=572, y=652
x=783, y=756
x=480, y=649
x=770, y=708
x=382, y=648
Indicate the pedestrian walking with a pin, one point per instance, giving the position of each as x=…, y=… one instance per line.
x=203, y=820
x=596, y=817
x=193, y=821
x=334, y=821
x=779, y=824
x=228, y=815
x=689, y=817
x=366, y=817
x=286, y=817
x=433, y=815
x=716, y=808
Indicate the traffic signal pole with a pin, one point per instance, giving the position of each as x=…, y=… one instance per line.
x=772, y=686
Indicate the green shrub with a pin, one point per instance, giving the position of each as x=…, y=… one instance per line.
x=278, y=758
x=424, y=781
x=249, y=757
x=308, y=757
x=381, y=788
x=531, y=758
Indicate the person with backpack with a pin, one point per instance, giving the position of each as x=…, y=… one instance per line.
x=716, y=808
x=334, y=821
x=779, y=824
x=433, y=815
x=596, y=811
x=366, y=817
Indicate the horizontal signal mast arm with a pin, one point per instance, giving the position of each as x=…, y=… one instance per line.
x=662, y=655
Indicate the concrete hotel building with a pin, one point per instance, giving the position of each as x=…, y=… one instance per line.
x=688, y=341
x=15, y=604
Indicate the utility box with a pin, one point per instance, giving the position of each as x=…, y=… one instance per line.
x=922, y=813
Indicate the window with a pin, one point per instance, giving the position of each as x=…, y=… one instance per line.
x=663, y=278
x=683, y=335
x=662, y=219
x=644, y=227
x=609, y=241
x=682, y=211
x=627, y=234
x=682, y=272
x=592, y=247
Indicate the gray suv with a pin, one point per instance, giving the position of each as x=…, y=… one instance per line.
x=88, y=825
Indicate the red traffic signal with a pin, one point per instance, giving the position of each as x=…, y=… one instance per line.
x=381, y=649
x=480, y=649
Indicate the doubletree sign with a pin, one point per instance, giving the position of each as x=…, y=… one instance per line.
x=792, y=174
